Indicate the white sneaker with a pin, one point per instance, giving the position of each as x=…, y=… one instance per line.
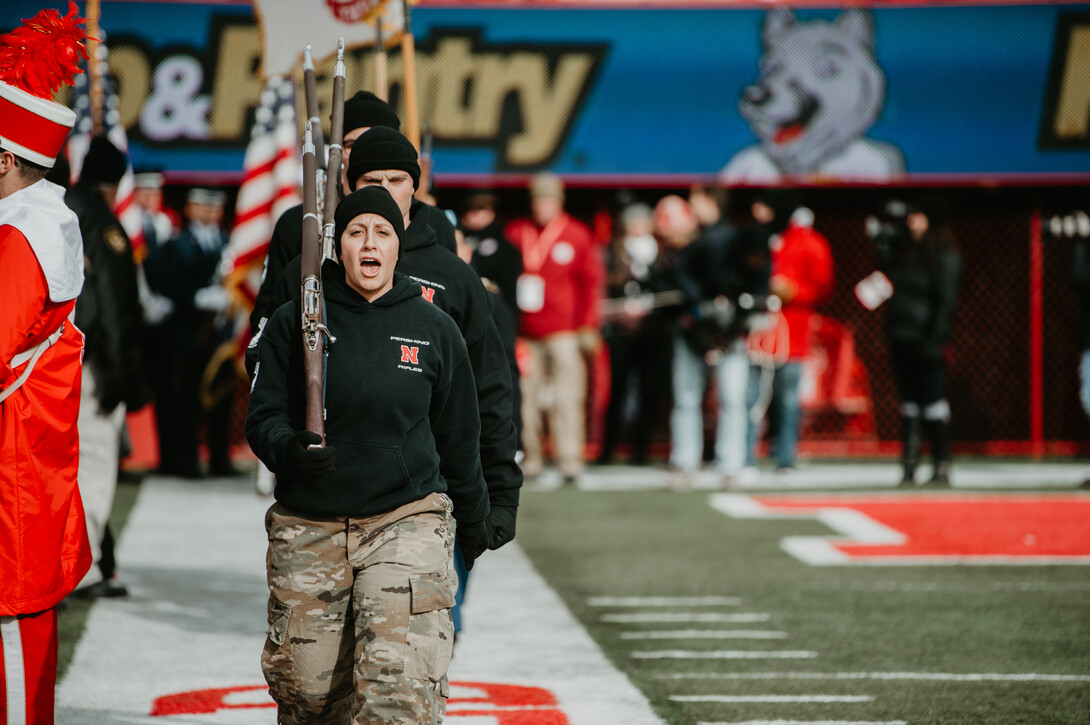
x=680, y=481
x=742, y=478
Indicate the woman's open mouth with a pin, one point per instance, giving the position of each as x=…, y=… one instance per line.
x=370, y=266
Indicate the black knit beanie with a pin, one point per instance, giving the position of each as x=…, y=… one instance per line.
x=382, y=148
x=368, y=200
x=103, y=164
x=365, y=109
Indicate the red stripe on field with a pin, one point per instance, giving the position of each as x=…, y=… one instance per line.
x=958, y=526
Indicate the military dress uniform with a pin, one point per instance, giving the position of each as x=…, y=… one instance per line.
x=109, y=313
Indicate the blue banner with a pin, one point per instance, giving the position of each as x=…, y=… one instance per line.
x=908, y=94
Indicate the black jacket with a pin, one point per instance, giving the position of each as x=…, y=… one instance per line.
x=496, y=259
x=1080, y=277
x=401, y=408
x=287, y=244
x=108, y=309
x=723, y=261
x=921, y=311
x=455, y=288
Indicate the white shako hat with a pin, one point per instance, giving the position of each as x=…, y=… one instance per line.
x=36, y=59
x=31, y=127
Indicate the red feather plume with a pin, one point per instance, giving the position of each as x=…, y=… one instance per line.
x=43, y=54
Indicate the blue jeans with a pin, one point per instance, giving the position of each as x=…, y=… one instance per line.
x=1084, y=377
x=785, y=408
x=690, y=377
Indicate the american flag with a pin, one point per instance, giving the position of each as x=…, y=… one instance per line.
x=270, y=185
x=128, y=213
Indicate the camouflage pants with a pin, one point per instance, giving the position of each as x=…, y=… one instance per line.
x=359, y=615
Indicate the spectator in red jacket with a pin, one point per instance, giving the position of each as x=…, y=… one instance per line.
x=558, y=295
x=802, y=278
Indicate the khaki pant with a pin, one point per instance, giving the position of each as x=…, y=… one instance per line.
x=99, y=441
x=558, y=363
x=359, y=615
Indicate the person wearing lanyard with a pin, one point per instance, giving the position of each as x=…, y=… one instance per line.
x=558, y=295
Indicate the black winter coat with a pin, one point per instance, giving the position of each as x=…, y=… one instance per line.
x=496, y=259
x=921, y=311
x=108, y=309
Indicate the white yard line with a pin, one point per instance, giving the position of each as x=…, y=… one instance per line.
x=808, y=722
x=728, y=654
x=684, y=617
x=969, y=474
x=894, y=676
x=706, y=634
x=518, y=631
x=193, y=555
x=664, y=601
x=771, y=698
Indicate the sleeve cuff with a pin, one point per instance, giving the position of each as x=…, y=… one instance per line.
x=475, y=528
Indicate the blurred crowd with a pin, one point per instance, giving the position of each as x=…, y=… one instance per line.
x=678, y=331
x=674, y=334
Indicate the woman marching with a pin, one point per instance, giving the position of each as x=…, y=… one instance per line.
x=362, y=533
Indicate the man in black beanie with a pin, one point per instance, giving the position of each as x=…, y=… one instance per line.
x=109, y=314
x=362, y=112
x=384, y=157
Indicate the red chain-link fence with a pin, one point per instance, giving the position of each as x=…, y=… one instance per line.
x=1013, y=362
x=1010, y=311
x=1002, y=402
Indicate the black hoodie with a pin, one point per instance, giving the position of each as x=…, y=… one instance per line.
x=441, y=277
x=401, y=407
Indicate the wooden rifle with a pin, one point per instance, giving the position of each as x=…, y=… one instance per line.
x=310, y=84
x=316, y=240
x=336, y=154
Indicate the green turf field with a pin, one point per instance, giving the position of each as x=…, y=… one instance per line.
x=877, y=644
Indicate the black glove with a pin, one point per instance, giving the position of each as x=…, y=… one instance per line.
x=473, y=541
x=500, y=525
x=309, y=463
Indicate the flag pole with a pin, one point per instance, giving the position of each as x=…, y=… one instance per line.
x=408, y=64
x=382, y=85
x=94, y=72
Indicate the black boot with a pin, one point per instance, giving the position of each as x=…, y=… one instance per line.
x=910, y=449
x=939, y=432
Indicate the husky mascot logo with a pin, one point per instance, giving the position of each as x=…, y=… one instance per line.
x=819, y=90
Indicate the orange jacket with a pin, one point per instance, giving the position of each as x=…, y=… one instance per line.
x=43, y=536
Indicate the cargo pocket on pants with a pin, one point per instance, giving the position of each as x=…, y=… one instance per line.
x=431, y=633
x=276, y=660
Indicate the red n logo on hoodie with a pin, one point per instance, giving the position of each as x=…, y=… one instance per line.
x=410, y=354
x=428, y=293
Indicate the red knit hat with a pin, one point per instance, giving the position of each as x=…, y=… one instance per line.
x=36, y=59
